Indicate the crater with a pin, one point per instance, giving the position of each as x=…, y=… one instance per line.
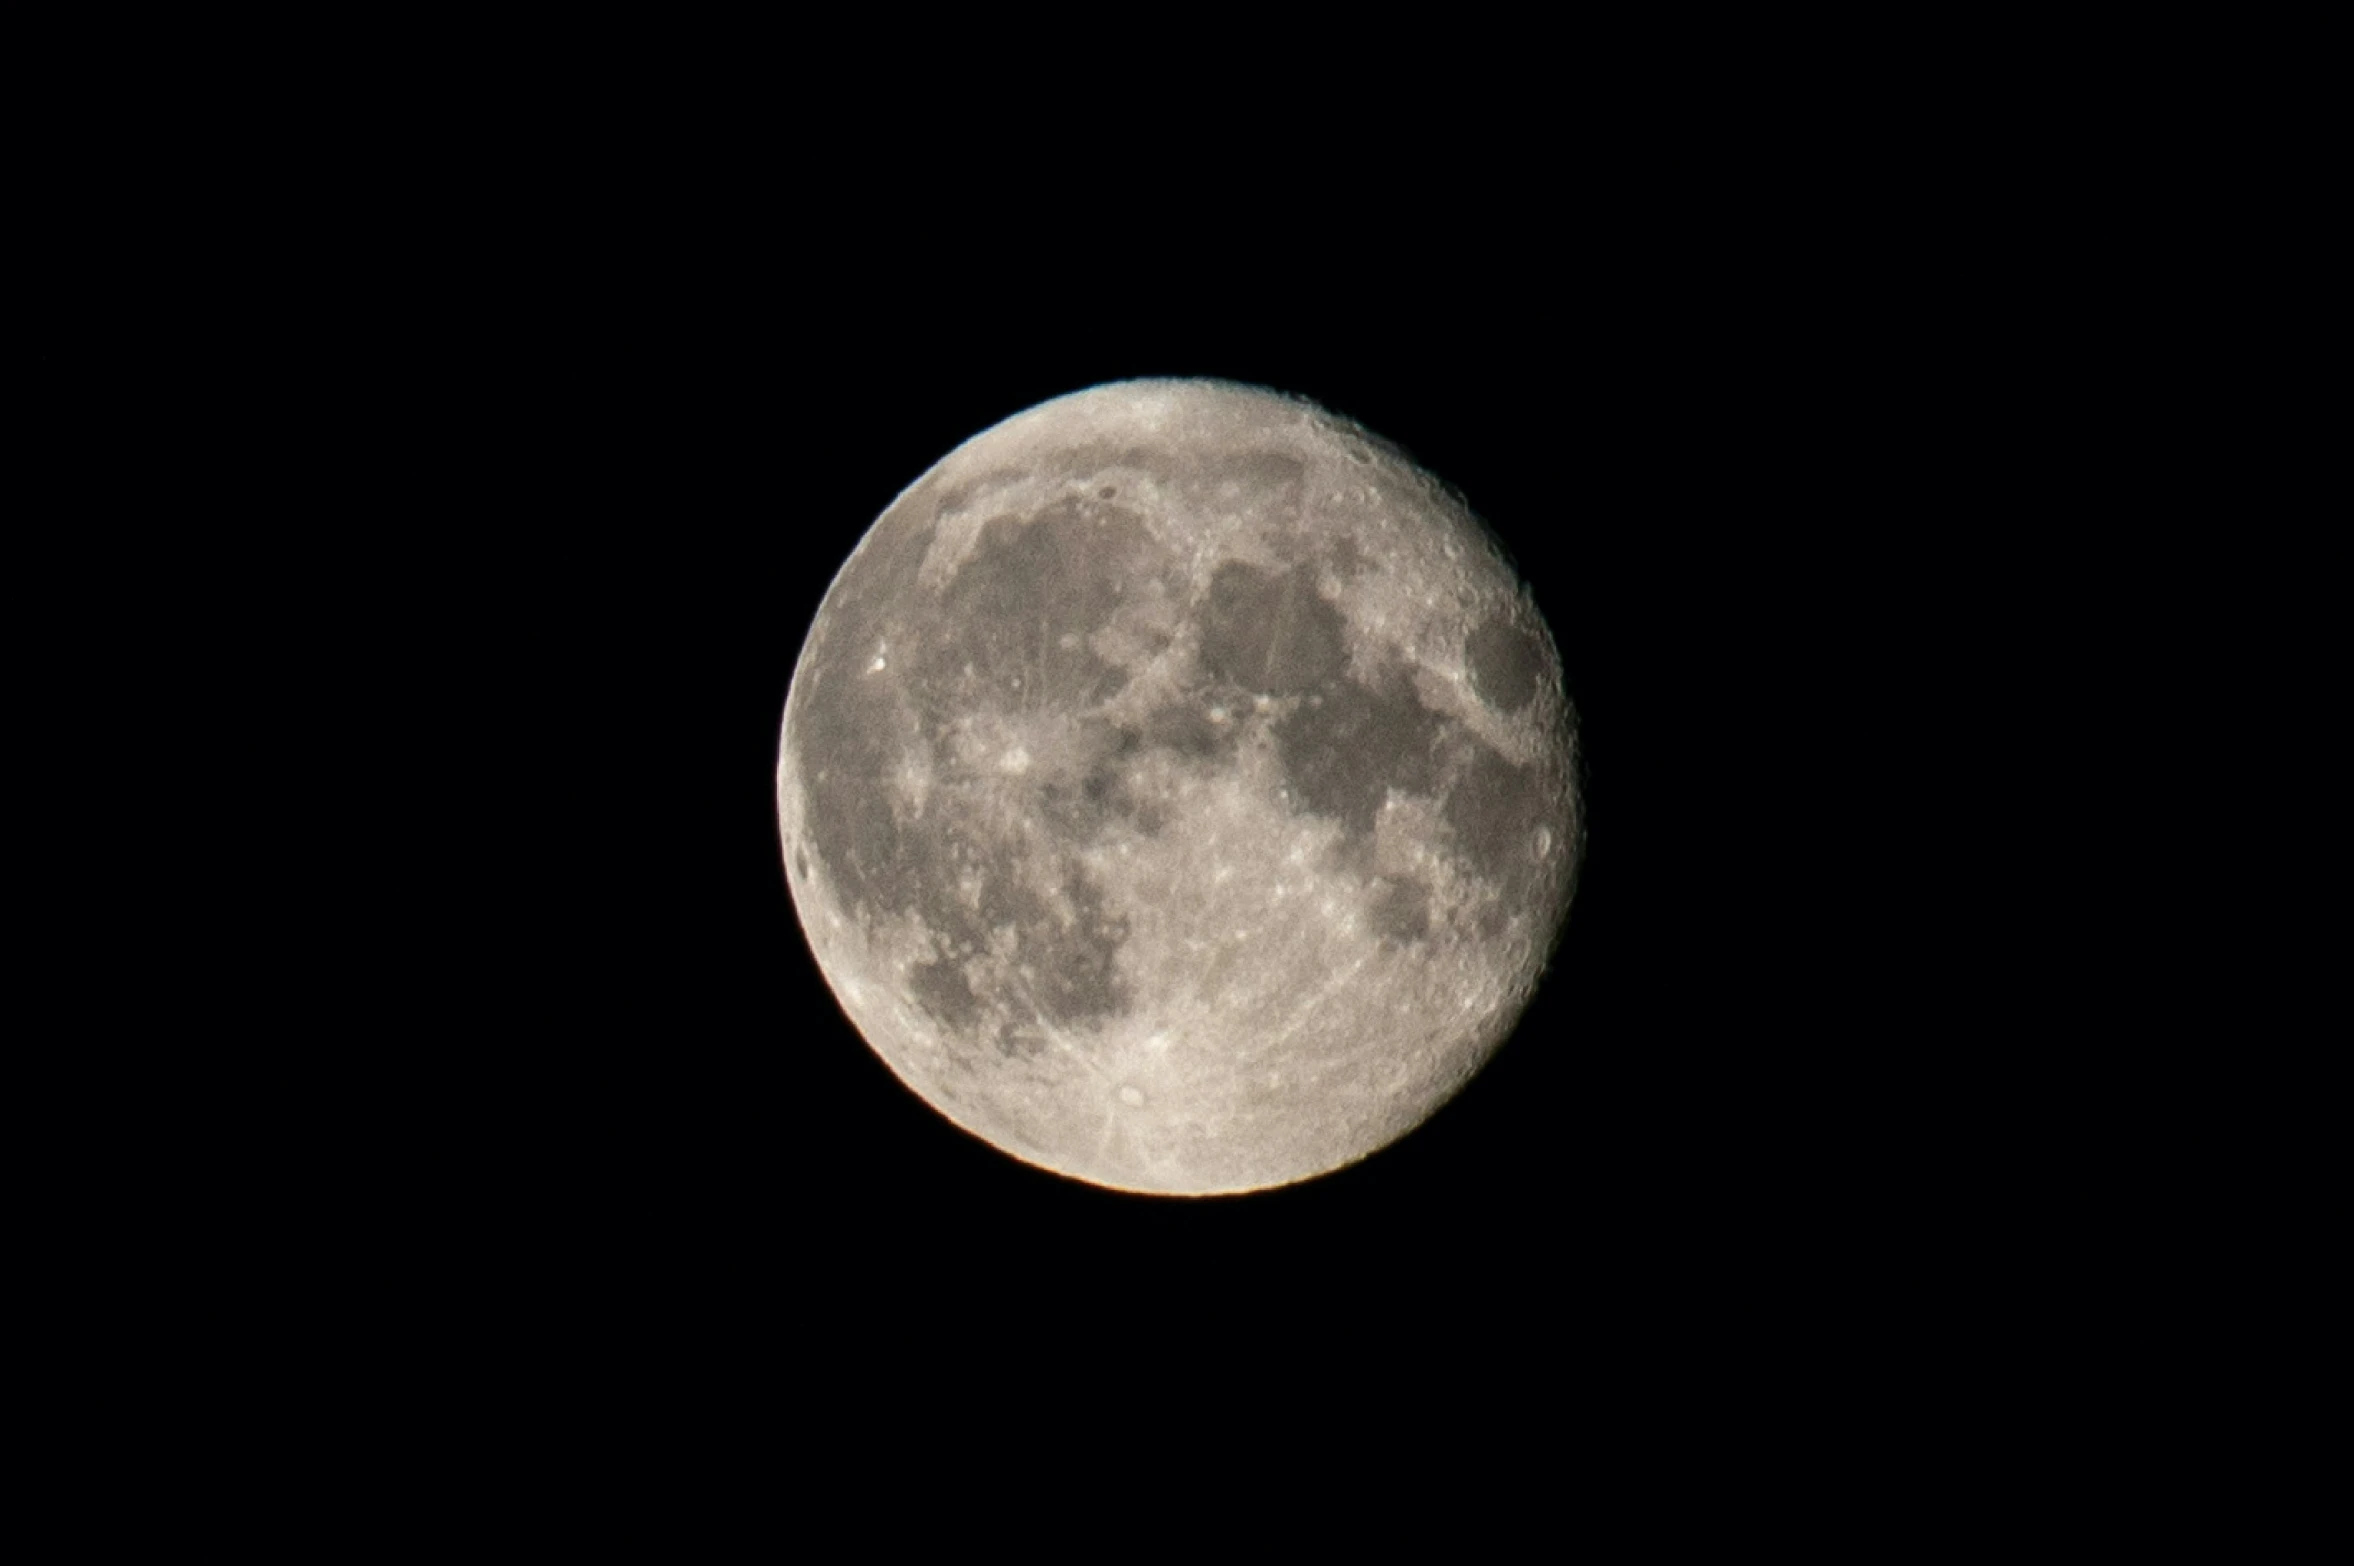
x=1507, y=662
x=1270, y=633
x=1344, y=753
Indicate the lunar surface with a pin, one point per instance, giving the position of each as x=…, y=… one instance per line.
x=1177, y=789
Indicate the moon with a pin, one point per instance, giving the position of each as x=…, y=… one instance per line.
x=1177, y=789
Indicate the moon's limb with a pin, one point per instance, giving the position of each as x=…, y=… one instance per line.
x=1177, y=790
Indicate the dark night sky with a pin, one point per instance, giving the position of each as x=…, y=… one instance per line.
x=538, y=436
x=626, y=500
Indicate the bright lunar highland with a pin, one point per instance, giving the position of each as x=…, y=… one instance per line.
x=1177, y=789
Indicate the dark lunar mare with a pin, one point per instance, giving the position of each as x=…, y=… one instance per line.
x=998, y=636
x=1398, y=909
x=1494, y=811
x=1270, y=634
x=1345, y=751
x=1003, y=901
x=1507, y=664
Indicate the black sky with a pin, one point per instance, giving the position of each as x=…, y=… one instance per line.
x=633, y=479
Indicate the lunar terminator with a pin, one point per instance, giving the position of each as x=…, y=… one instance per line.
x=1177, y=789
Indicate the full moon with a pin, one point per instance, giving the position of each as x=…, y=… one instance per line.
x=1177, y=789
